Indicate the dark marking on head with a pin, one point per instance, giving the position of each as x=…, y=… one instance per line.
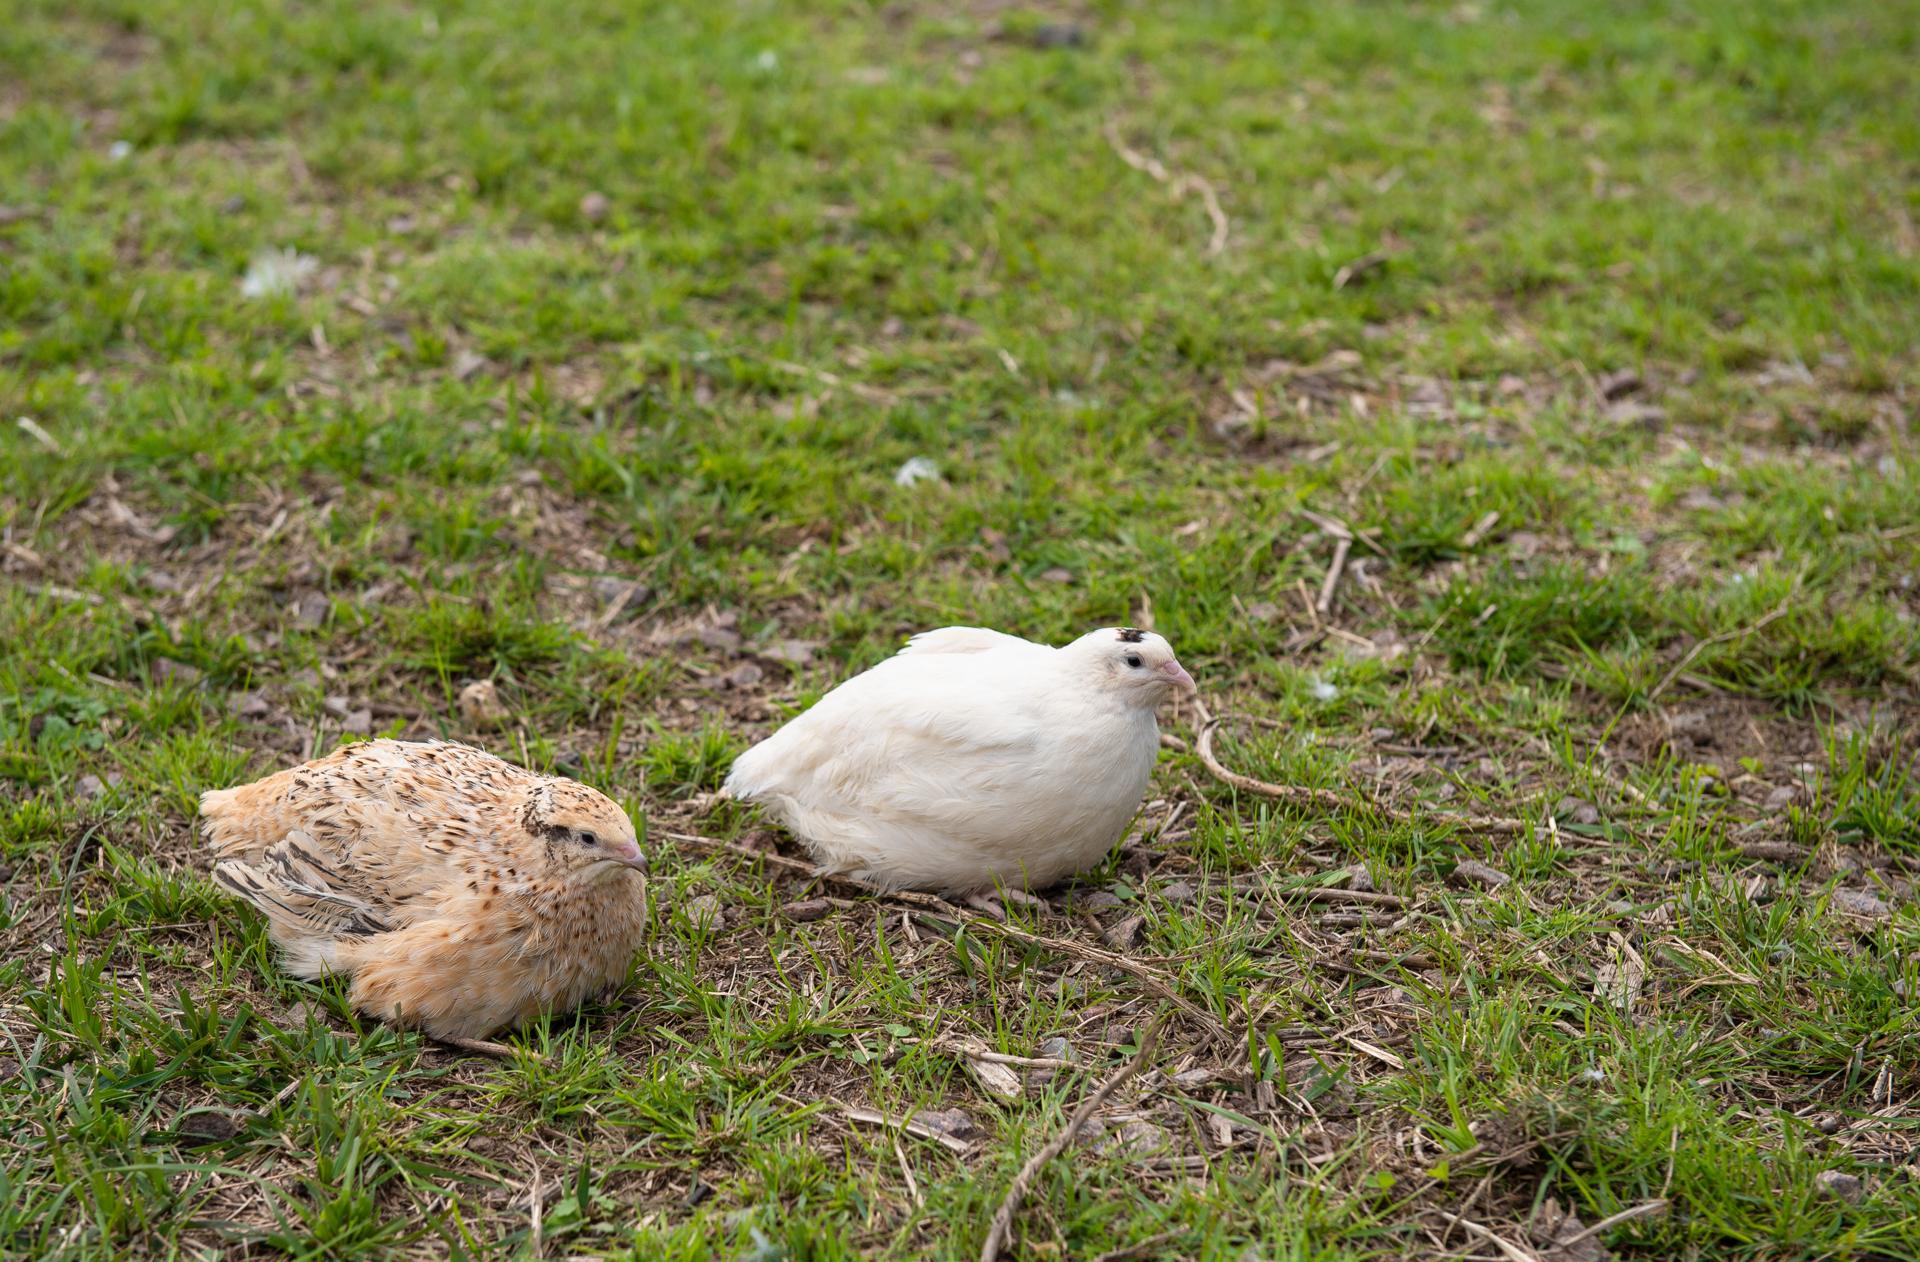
x=1132, y=635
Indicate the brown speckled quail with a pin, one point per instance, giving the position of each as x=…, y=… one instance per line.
x=460, y=893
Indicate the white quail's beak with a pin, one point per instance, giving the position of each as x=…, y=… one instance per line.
x=1178, y=673
x=631, y=855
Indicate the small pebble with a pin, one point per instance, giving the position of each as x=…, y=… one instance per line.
x=1059, y=35
x=706, y=911
x=1135, y=1137
x=620, y=595
x=954, y=1122
x=312, y=609
x=205, y=1127
x=298, y=1016
x=807, y=909
x=1861, y=903
x=1840, y=1185
x=1577, y=811
x=1474, y=872
x=796, y=652
x=166, y=670
x=480, y=705
x=1618, y=385
x=1690, y=723
x=1630, y=412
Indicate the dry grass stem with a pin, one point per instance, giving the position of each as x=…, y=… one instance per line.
x=1177, y=186
x=1332, y=800
x=1002, y=1226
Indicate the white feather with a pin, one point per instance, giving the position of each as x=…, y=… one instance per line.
x=971, y=759
x=970, y=640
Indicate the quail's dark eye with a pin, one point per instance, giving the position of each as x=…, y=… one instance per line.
x=588, y=839
x=1133, y=660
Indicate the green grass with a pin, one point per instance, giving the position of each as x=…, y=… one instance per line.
x=1594, y=323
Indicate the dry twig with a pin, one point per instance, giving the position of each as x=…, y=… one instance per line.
x=1002, y=1226
x=872, y=1117
x=1611, y=1220
x=1152, y=979
x=1331, y=894
x=1158, y=983
x=959, y=1048
x=1679, y=667
x=873, y=394
x=1513, y=1251
x=31, y=428
x=535, y=1204
x=1334, y=570
x=747, y=852
x=1147, y=1248
x=1328, y=799
x=1481, y=529
x=484, y=1047
x=1177, y=185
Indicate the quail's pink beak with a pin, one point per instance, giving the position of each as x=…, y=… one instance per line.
x=631, y=855
x=1178, y=674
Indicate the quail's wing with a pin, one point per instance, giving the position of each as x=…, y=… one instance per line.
x=301, y=894
x=395, y=821
x=915, y=737
x=970, y=640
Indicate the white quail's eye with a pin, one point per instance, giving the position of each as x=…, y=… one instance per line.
x=1133, y=660
x=588, y=839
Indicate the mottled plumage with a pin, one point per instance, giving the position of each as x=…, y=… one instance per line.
x=971, y=759
x=460, y=893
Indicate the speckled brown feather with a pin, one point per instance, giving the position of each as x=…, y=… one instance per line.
x=451, y=886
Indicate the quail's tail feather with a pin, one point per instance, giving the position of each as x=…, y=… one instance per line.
x=217, y=802
x=244, y=822
x=220, y=817
x=311, y=919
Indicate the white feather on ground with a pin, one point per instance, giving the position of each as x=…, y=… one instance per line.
x=972, y=759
